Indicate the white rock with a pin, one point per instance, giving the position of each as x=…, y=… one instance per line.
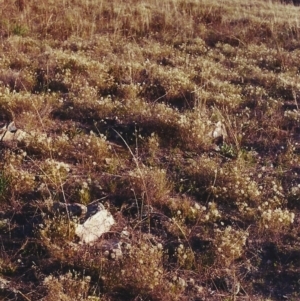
x=95, y=226
x=181, y=282
x=9, y=133
x=219, y=131
x=20, y=135
x=125, y=234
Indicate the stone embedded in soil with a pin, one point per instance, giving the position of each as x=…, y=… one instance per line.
x=97, y=219
x=9, y=132
x=219, y=134
x=74, y=209
x=96, y=225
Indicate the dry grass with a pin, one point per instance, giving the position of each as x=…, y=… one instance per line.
x=119, y=100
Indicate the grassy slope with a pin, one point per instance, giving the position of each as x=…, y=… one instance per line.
x=120, y=99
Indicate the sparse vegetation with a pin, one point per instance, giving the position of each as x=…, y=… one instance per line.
x=119, y=101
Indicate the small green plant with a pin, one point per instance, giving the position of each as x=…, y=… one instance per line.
x=19, y=30
x=228, y=150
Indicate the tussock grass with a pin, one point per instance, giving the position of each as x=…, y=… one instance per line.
x=119, y=101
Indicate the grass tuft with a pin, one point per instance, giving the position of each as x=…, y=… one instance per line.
x=181, y=118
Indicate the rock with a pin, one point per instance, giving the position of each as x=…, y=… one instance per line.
x=75, y=209
x=125, y=234
x=97, y=224
x=93, y=208
x=191, y=281
x=219, y=134
x=108, y=161
x=181, y=282
x=97, y=220
x=9, y=132
x=12, y=127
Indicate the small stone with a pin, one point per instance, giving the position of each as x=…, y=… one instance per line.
x=108, y=161
x=95, y=226
x=75, y=209
x=125, y=234
x=191, y=281
x=181, y=282
x=9, y=132
x=219, y=134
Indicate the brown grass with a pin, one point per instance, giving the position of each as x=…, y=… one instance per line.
x=119, y=100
